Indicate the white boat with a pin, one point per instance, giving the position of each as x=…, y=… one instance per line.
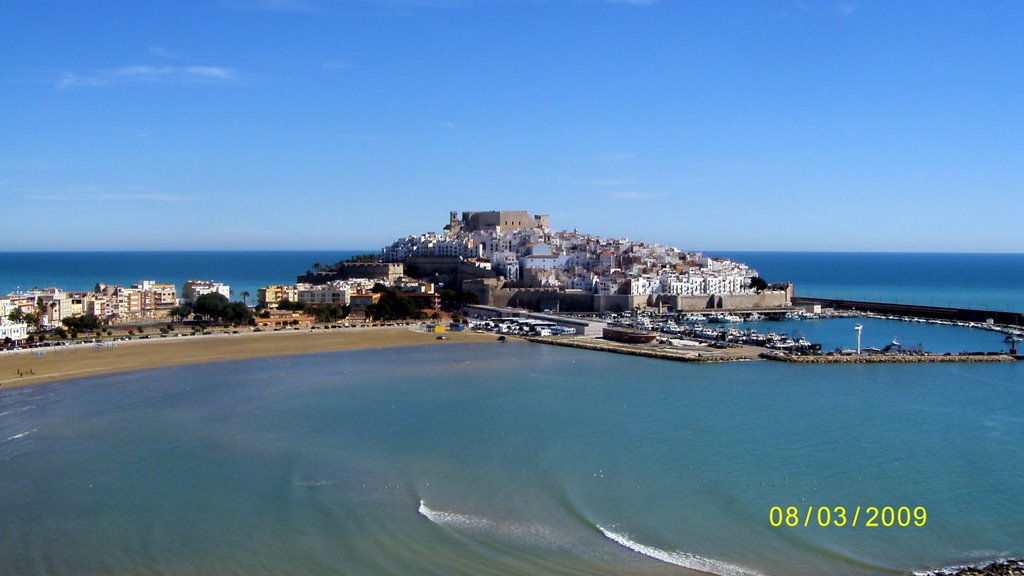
x=755, y=317
x=724, y=318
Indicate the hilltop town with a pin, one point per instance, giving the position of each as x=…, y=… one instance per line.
x=496, y=258
x=513, y=258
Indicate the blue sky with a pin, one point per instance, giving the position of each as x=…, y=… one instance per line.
x=710, y=125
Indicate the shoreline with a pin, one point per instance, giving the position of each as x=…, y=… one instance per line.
x=53, y=364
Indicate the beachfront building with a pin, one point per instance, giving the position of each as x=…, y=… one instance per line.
x=279, y=319
x=269, y=296
x=16, y=331
x=336, y=292
x=157, y=299
x=121, y=304
x=355, y=292
x=193, y=289
x=53, y=305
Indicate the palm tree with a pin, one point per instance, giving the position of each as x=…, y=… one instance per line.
x=245, y=297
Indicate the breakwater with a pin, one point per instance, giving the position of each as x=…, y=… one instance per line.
x=678, y=354
x=917, y=311
x=738, y=352
x=888, y=358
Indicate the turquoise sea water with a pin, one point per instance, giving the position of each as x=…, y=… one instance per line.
x=960, y=280
x=507, y=459
x=835, y=333
x=78, y=271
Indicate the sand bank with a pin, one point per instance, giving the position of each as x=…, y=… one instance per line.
x=36, y=366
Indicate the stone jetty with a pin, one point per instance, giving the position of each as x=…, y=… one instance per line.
x=736, y=352
x=676, y=353
x=887, y=358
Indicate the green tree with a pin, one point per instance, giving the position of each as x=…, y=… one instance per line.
x=364, y=258
x=329, y=313
x=392, y=306
x=758, y=283
x=237, y=313
x=181, y=312
x=285, y=304
x=455, y=299
x=210, y=305
x=83, y=323
x=16, y=316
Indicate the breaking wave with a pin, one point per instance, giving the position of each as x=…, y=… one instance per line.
x=684, y=559
x=22, y=435
x=520, y=532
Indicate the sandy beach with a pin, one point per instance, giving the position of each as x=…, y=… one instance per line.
x=36, y=366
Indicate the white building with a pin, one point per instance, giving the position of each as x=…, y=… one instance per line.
x=16, y=331
x=331, y=293
x=193, y=289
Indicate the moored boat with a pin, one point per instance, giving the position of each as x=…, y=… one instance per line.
x=628, y=335
x=724, y=318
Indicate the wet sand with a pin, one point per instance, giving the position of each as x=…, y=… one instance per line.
x=36, y=366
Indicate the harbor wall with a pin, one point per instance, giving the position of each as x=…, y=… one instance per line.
x=765, y=299
x=936, y=312
x=490, y=292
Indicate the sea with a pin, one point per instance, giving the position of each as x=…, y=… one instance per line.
x=976, y=281
x=957, y=280
x=244, y=272
x=516, y=458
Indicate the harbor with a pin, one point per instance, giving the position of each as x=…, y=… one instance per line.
x=801, y=336
x=740, y=352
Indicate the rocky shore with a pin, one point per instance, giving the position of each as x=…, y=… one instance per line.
x=1014, y=567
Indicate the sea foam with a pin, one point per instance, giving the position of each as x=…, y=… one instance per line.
x=22, y=435
x=684, y=559
x=516, y=531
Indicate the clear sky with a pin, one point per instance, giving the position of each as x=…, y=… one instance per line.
x=710, y=125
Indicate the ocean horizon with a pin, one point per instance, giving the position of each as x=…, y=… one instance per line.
x=983, y=281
